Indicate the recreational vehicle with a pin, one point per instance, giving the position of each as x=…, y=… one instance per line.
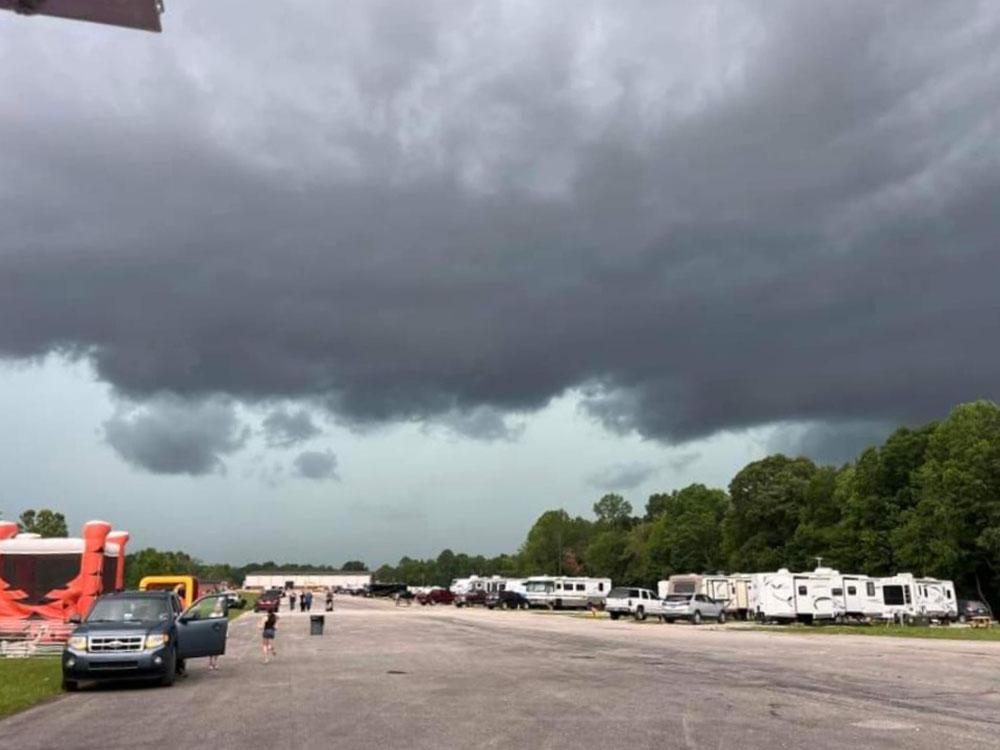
x=819, y=595
x=897, y=596
x=936, y=599
x=739, y=595
x=713, y=586
x=559, y=592
x=861, y=599
x=772, y=596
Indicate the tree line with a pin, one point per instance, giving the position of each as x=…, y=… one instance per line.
x=926, y=501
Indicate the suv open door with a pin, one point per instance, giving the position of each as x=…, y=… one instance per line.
x=202, y=628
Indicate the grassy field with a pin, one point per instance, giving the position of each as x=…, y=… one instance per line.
x=892, y=631
x=24, y=682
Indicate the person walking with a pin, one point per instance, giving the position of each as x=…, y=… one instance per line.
x=291, y=600
x=269, y=628
x=309, y=601
x=302, y=601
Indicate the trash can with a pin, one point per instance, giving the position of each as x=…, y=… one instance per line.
x=316, y=624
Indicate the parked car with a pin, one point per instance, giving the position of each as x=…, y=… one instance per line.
x=692, y=607
x=269, y=601
x=234, y=600
x=634, y=602
x=507, y=600
x=969, y=608
x=435, y=596
x=471, y=598
x=143, y=635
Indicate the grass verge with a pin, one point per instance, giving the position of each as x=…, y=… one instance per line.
x=891, y=631
x=251, y=598
x=25, y=682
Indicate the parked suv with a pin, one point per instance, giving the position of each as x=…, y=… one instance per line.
x=143, y=635
x=693, y=607
x=506, y=600
x=634, y=602
x=436, y=596
x=969, y=608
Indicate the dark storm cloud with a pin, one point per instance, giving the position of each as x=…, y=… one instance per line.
x=708, y=217
x=170, y=436
x=830, y=443
x=284, y=428
x=621, y=477
x=316, y=465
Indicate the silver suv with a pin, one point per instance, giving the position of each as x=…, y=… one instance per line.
x=692, y=607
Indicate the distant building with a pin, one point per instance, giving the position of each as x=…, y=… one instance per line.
x=279, y=579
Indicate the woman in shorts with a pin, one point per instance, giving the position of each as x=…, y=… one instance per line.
x=269, y=626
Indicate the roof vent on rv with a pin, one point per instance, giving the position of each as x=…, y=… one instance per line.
x=28, y=535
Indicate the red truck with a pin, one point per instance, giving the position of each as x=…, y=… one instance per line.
x=435, y=596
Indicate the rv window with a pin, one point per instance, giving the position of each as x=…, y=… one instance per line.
x=580, y=587
x=893, y=595
x=906, y=594
x=558, y=587
x=600, y=587
x=851, y=590
x=802, y=590
x=870, y=588
x=948, y=593
x=837, y=592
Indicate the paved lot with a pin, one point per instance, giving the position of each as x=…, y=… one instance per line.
x=386, y=677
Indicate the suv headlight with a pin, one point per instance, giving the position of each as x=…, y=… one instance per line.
x=77, y=642
x=155, y=640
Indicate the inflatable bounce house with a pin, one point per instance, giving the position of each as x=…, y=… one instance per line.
x=50, y=580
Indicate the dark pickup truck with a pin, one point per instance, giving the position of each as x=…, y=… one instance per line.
x=143, y=635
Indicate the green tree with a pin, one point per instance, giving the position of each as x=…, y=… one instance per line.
x=953, y=530
x=354, y=566
x=614, y=511
x=555, y=539
x=45, y=522
x=686, y=535
x=767, y=498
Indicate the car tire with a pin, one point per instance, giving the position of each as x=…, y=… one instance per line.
x=615, y=615
x=171, y=674
x=696, y=618
x=722, y=618
x=70, y=686
x=640, y=614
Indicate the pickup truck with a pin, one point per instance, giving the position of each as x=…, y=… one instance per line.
x=143, y=635
x=634, y=602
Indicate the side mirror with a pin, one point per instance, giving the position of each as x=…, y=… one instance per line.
x=75, y=619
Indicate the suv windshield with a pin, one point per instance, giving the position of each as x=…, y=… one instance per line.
x=129, y=610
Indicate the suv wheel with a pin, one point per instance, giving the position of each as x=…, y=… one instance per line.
x=615, y=615
x=171, y=673
x=696, y=617
x=640, y=613
x=70, y=686
x=722, y=618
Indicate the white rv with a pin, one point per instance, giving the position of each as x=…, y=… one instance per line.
x=819, y=595
x=496, y=584
x=739, y=595
x=861, y=597
x=772, y=596
x=713, y=586
x=566, y=592
x=897, y=596
x=936, y=598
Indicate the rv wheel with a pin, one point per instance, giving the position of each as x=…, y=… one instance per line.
x=760, y=618
x=696, y=618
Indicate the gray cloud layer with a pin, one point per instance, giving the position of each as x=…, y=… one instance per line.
x=283, y=428
x=709, y=216
x=170, y=436
x=316, y=465
x=621, y=477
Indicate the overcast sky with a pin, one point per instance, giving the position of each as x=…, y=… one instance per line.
x=316, y=281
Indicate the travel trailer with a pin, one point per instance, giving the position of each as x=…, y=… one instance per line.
x=772, y=596
x=897, y=596
x=819, y=595
x=861, y=599
x=739, y=595
x=713, y=586
x=565, y=592
x=936, y=599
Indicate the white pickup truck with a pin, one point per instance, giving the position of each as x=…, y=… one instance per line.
x=634, y=602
